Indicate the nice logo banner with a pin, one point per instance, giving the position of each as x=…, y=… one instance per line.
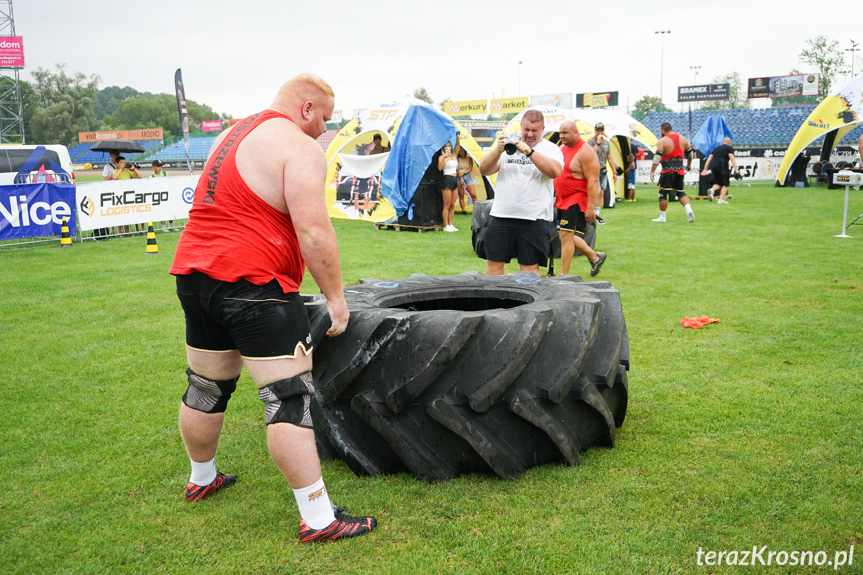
x=35, y=210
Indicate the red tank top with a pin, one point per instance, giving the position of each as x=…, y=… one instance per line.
x=673, y=161
x=569, y=190
x=232, y=233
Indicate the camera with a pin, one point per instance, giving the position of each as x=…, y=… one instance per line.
x=509, y=144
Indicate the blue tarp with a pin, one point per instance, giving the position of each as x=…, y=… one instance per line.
x=711, y=134
x=422, y=132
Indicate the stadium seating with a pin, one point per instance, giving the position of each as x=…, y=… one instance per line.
x=752, y=128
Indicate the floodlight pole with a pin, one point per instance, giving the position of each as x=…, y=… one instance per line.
x=519, y=78
x=853, y=49
x=662, y=34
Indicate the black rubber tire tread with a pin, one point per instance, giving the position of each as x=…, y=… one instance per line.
x=440, y=376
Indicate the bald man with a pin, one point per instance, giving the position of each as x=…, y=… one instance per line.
x=577, y=191
x=257, y=220
x=717, y=163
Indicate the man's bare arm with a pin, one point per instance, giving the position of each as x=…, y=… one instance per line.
x=304, y=180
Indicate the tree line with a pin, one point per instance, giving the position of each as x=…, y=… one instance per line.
x=57, y=105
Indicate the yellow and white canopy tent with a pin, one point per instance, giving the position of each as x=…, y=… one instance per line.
x=619, y=127
x=833, y=118
x=353, y=186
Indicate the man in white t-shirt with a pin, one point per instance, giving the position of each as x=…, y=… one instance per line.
x=520, y=219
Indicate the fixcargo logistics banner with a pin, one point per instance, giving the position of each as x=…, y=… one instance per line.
x=35, y=210
x=508, y=105
x=122, y=202
x=466, y=107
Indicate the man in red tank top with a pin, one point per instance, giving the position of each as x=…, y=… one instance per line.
x=258, y=217
x=671, y=149
x=576, y=193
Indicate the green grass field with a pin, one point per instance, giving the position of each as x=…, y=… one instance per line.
x=744, y=433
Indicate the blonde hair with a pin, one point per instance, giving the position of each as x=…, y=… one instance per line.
x=305, y=87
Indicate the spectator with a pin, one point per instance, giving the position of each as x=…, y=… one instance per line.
x=465, y=181
x=602, y=146
x=158, y=172
x=111, y=165
x=521, y=215
x=377, y=146
x=447, y=163
x=630, y=172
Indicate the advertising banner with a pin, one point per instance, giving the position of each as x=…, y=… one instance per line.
x=783, y=86
x=211, y=125
x=118, y=203
x=552, y=100
x=134, y=135
x=11, y=51
x=507, y=105
x=184, y=112
x=596, y=100
x=703, y=92
x=466, y=107
x=35, y=210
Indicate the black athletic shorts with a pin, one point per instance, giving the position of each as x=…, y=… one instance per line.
x=721, y=177
x=449, y=182
x=262, y=322
x=572, y=219
x=528, y=240
x=671, y=186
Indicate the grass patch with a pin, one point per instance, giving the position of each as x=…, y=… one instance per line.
x=743, y=433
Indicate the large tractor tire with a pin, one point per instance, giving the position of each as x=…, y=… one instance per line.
x=441, y=376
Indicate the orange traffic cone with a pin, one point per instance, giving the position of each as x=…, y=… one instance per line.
x=152, y=248
x=65, y=239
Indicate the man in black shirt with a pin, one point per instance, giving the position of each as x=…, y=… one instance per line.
x=717, y=162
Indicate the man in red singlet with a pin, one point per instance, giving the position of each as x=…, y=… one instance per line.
x=576, y=193
x=670, y=151
x=257, y=219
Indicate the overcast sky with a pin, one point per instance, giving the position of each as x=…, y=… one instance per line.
x=235, y=54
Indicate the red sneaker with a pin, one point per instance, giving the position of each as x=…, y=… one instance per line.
x=343, y=527
x=198, y=492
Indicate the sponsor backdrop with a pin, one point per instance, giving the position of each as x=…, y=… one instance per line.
x=35, y=210
x=783, y=86
x=118, y=203
x=596, y=100
x=703, y=92
x=552, y=100
x=135, y=135
x=11, y=51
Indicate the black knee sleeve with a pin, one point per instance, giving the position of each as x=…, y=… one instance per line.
x=288, y=400
x=207, y=395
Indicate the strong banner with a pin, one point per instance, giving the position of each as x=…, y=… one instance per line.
x=596, y=100
x=119, y=203
x=184, y=112
x=35, y=210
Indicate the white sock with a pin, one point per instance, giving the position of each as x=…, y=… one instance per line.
x=662, y=216
x=314, y=505
x=688, y=208
x=203, y=473
x=596, y=210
